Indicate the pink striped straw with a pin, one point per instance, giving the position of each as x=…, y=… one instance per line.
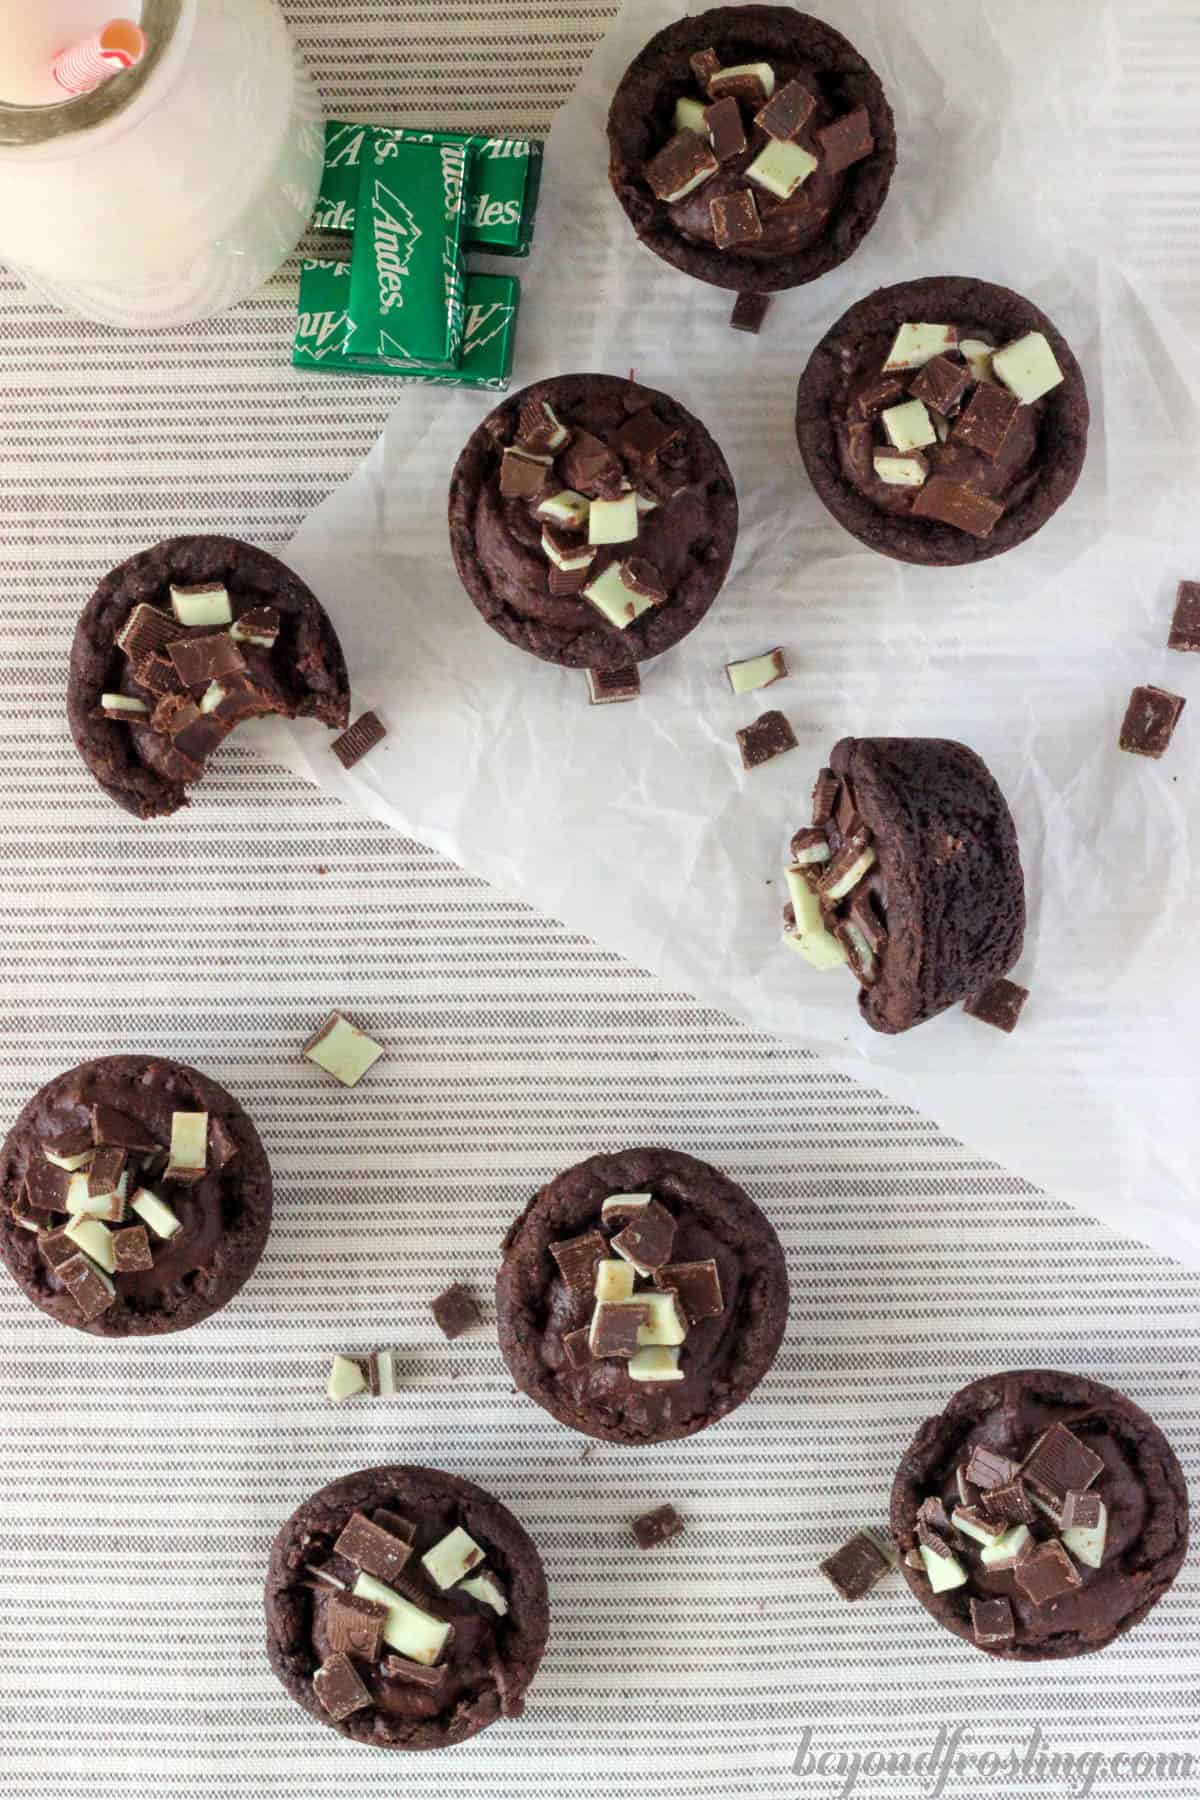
x=86, y=66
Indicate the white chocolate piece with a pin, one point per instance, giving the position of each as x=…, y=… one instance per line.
x=110, y=1206
x=978, y=357
x=764, y=73
x=212, y=697
x=614, y=1281
x=1086, y=1542
x=208, y=606
x=969, y=1528
x=821, y=949
x=568, y=510
x=689, y=115
x=646, y=503
x=619, y=1206
x=666, y=1324
x=155, y=1213
x=407, y=1630
x=345, y=1378
x=909, y=426
x=581, y=557
x=811, y=855
x=241, y=633
x=853, y=875
x=756, y=672
x=558, y=431
x=124, y=703
x=76, y=1197
x=944, y=1572
x=1052, y=1512
x=867, y=960
x=96, y=1242
x=656, y=1364
x=781, y=168
x=916, y=345
x=1028, y=368
x=805, y=904
x=452, y=1557
x=343, y=1051
x=383, y=1383
x=189, y=1141
x=903, y=471
x=1003, y=1552
x=613, y=521
x=485, y=1587
x=609, y=595
x=82, y=1161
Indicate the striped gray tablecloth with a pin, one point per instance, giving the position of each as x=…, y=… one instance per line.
x=142, y=1483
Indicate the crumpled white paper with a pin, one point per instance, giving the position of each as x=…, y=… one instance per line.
x=637, y=825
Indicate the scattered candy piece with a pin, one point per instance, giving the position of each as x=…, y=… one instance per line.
x=342, y=1050
x=362, y=737
x=756, y=671
x=1028, y=368
x=860, y=1565
x=657, y=1527
x=406, y=1628
x=999, y=1005
x=1185, y=625
x=607, y=687
x=768, y=737
x=1150, y=721
x=749, y=312
x=345, y=1378
x=456, y=1310
x=339, y=1688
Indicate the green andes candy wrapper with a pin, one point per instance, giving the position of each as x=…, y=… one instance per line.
x=407, y=273
x=503, y=188
x=489, y=337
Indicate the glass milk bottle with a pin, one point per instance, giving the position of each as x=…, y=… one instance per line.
x=177, y=187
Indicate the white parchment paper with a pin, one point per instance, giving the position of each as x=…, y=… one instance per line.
x=637, y=825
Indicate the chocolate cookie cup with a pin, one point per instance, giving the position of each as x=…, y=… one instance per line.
x=642, y=1296
x=177, y=647
x=829, y=140
x=943, y=421
x=1040, y=1516
x=406, y=1608
x=910, y=875
x=593, y=521
x=135, y=1197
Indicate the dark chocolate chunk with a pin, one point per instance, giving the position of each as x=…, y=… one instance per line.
x=749, y=312
x=847, y=141
x=857, y=1567
x=787, y=112
x=834, y=871
x=201, y=660
x=1058, y=1463
x=654, y=1528
x=259, y=625
x=857, y=442
x=641, y=577
x=355, y=1626
x=1150, y=721
x=726, y=132
x=589, y=467
x=768, y=737
x=735, y=219
x=705, y=64
x=878, y=394
x=568, y=581
x=131, y=1249
x=522, y=477
x=941, y=384
x=954, y=503
x=362, y=736
x=614, y=1329
x=31, y=1217
x=810, y=837
x=825, y=797
x=146, y=631
x=1047, y=1573
x=999, y=1005
x=976, y=1516
x=69, y=1143
x=194, y=733
x=745, y=85
x=87, y=1285
x=1185, y=625
x=1080, y=1511
x=577, y=1347
x=57, y=1248
x=968, y=1493
x=647, y=1239
x=222, y=1145
x=607, y=686
x=680, y=166
x=158, y=674
x=696, y=1285
x=46, y=1186
x=456, y=1310
x=370, y=1548
x=864, y=912
x=338, y=1687
x=390, y=1521
x=933, y=1513
x=1010, y=1503
x=402, y=1668
x=988, y=1469
x=643, y=435
x=577, y=1258
x=108, y=1165
x=987, y=419
x=538, y=432
x=992, y=1621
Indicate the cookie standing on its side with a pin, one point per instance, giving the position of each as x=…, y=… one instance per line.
x=593, y=521
x=1048, y=1514
x=135, y=1197
x=177, y=647
x=406, y=1608
x=910, y=873
x=943, y=421
x=779, y=185
x=642, y=1296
